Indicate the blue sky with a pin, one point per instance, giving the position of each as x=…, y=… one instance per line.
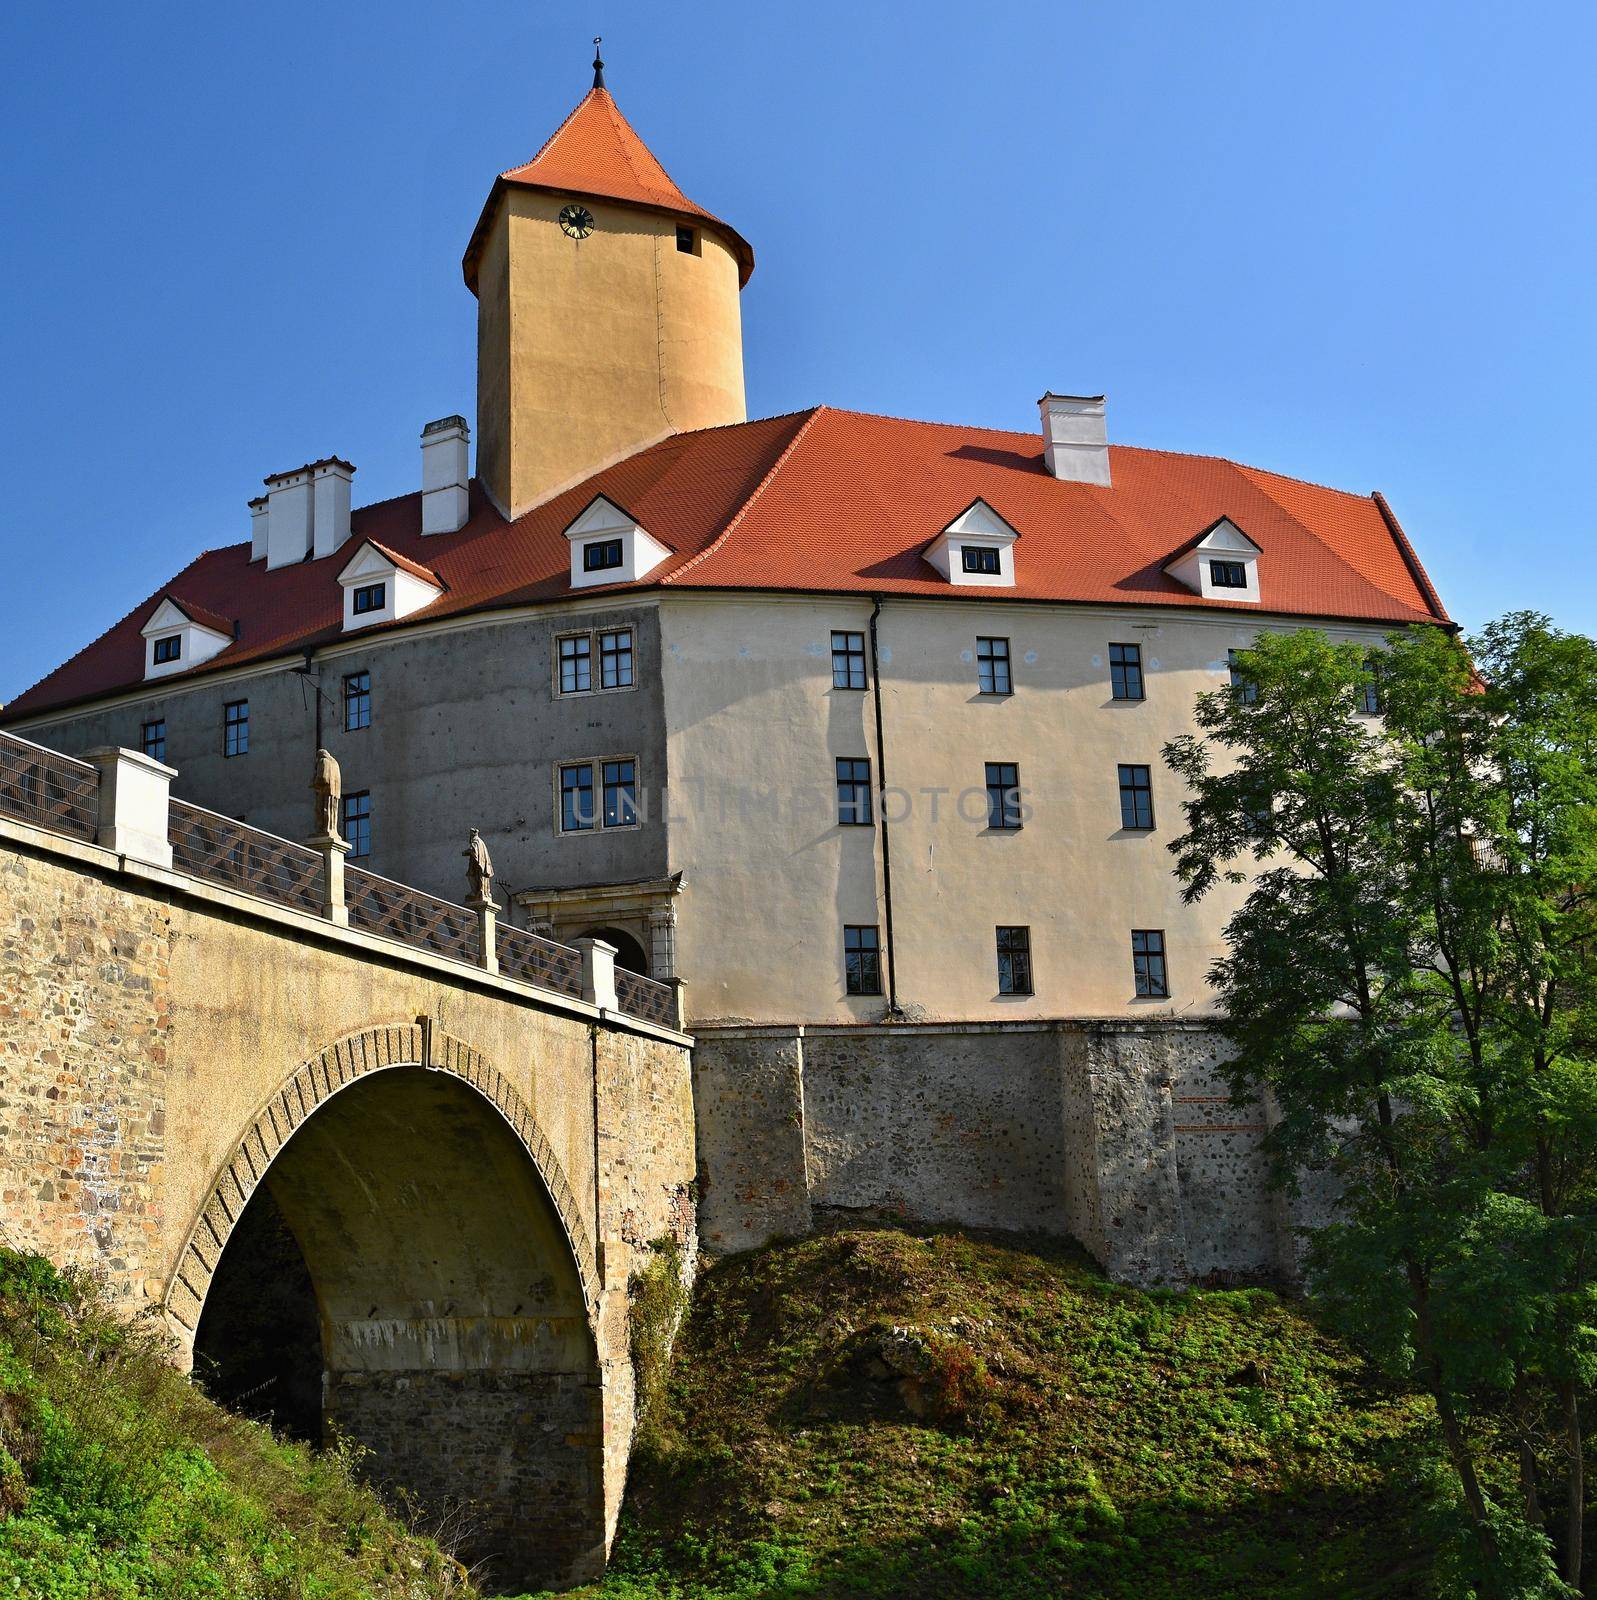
x=1353, y=243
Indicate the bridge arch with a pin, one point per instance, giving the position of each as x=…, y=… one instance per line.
x=454, y=1285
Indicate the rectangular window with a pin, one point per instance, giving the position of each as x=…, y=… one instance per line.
x=1247, y=692
x=576, y=798
x=615, y=659
x=1136, y=797
x=853, y=792
x=1370, y=689
x=168, y=649
x=601, y=554
x=236, y=728
x=620, y=779
x=370, y=597
x=1014, y=961
x=979, y=558
x=685, y=241
x=848, y=660
x=1125, y=671
x=355, y=822
x=152, y=739
x=1228, y=575
x=357, y=701
x=576, y=665
x=992, y=665
x=862, y=960
x=1003, y=795
x=1147, y=963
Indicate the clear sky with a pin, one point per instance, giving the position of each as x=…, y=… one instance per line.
x=1350, y=242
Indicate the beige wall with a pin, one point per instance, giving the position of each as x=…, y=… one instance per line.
x=751, y=714
x=589, y=350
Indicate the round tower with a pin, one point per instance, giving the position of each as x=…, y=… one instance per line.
x=607, y=310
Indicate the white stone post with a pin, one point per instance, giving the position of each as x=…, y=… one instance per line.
x=332, y=850
x=135, y=797
x=487, y=931
x=599, y=973
x=679, y=1004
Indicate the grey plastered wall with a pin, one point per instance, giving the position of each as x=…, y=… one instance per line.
x=466, y=733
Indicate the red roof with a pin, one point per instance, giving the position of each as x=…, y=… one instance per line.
x=822, y=501
x=597, y=152
x=213, y=620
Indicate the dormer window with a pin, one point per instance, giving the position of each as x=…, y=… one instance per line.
x=182, y=635
x=1222, y=563
x=977, y=547
x=382, y=586
x=609, y=546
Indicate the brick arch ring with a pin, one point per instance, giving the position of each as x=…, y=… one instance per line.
x=417, y=1044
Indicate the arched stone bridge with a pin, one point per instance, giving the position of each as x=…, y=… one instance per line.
x=369, y=1185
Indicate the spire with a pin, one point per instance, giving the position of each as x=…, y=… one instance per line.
x=598, y=63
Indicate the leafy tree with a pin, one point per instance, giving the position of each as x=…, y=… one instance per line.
x=1411, y=979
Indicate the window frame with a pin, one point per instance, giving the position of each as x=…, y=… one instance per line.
x=1247, y=691
x=601, y=638
x=626, y=788
x=857, y=791
x=361, y=598
x=582, y=659
x=862, y=964
x=687, y=240
x=1119, y=679
x=235, y=729
x=1227, y=574
x=358, y=701
x=166, y=649
x=348, y=820
x=147, y=738
x=981, y=560
x=988, y=661
x=592, y=658
x=1006, y=811
x=593, y=548
x=1142, y=964
x=849, y=656
x=1015, y=977
x=595, y=788
x=1370, y=703
x=1139, y=795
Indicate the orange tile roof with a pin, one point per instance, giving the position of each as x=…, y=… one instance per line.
x=822, y=501
x=597, y=152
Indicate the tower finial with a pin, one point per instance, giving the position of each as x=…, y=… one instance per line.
x=598, y=63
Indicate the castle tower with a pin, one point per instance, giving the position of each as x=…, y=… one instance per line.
x=607, y=309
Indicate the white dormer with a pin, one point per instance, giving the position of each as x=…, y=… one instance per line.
x=1222, y=563
x=380, y=586
x=176, y=640
x=608, y=546
x=977, y=547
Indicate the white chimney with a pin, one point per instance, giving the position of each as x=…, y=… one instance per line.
x=258, y=526
x=1075, y=437
x=330, y=482
x=445, y=472
x=288, y=517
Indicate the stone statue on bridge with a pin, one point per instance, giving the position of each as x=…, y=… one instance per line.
x=479, y=871
x=328, y=787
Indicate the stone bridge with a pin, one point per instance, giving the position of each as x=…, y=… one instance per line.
x=381, y=1165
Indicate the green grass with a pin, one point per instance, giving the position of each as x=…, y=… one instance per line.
x=118, y=1478
x=885, y=1414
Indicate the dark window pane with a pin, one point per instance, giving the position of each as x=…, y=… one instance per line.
x=1247, y=692
x=355, y=822
x=601, y=554
x=1147, y=962
x=1014, y=960
x=862, y=960
x=152, y=739
x=371, y=597
x=357, y=701
x=576, y=798
x=848, y=660
x=1125, y=671
x=853, y=792
x=576, y=665
x=1003, y=794
x=615, y=659
x=685, y=241
x=1370, y=689
x=976, y=558
x=168, y=649
x=992, y=665
x=1228, y=575
x=236, y=728
x=620, y=780
x=1136, y=797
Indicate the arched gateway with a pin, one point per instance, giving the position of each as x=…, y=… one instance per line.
x=453, y=1284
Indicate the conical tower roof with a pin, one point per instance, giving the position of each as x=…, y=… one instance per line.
x=597, y=152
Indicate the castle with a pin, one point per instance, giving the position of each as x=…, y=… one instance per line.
x=850, y=723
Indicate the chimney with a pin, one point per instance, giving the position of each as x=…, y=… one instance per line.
x=258, y=525
x=1075, y=437
x=445, y=471
x=330, y=481
x=288, y=517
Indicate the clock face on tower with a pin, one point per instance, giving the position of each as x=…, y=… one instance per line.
x=576, y=221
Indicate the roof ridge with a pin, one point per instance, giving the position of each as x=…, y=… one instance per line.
x=754, y=494
x=1422, y=579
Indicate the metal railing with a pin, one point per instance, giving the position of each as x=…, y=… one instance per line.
x=536, y=960
x=379, y=905
x=646, y=997
x=220, y=850
x=48, y=789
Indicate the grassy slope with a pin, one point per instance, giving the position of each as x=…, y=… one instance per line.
x=118, y=1478
x=1035, y=1432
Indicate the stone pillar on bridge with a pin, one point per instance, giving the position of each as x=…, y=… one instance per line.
x=599, y=973
x=135, y=799
x=487, y=931
x=332, y=850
